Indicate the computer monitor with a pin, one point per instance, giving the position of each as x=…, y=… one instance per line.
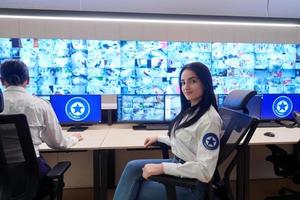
x=220, y=99
x=172, y=106
x=77, y=110
x=153, y=111
x=279, y=106
x=140, y=108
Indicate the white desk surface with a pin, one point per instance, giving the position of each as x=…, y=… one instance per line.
x=282, y=136
x=123, y=136
x=120, y=136
x=92, y=139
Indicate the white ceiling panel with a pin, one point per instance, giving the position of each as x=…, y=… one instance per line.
x=284, y=8
x=41, y=4
x=246, y=8
x=190, y=7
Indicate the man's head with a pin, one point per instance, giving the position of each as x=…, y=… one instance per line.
x=14, y=72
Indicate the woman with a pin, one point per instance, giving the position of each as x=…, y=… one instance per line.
x=194, y=137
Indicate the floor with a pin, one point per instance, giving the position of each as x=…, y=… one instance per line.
x=259, y=189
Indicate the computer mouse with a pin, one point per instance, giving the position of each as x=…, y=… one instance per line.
x=269, y=134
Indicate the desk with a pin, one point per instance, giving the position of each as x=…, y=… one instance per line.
x=122, y=136
x=101, y=139
x=93, y=137
x=282, y=136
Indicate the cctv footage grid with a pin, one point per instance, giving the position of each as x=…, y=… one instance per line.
x=147, y=108
x=62, y=66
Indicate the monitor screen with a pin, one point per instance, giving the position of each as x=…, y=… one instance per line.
x=279, y=106
x=172, y=106
x=45, y=97
x=69, y=66
x=140, y=108
x=77, y=109
x=220, y=99
x=144, y=108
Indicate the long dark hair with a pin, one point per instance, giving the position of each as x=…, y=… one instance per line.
x=14, y=72
x=207, y=100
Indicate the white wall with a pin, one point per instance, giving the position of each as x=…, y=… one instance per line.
x=26, y=28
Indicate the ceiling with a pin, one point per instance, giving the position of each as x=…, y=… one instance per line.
x=236, y=8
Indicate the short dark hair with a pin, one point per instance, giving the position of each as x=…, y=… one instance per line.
x=14, y=72
x=208, y=98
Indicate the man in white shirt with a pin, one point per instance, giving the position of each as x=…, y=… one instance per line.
x=43, y=123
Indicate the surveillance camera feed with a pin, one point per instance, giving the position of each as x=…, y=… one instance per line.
x=135, y=68
x=145, y=107
x=141, y=108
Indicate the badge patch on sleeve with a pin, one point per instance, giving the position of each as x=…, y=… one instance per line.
x=210, y=141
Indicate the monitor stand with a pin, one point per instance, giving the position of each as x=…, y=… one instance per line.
x=77, y=128
x=151, y=127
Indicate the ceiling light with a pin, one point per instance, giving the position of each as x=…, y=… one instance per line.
x=147, y=18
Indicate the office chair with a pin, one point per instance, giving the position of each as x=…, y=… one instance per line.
x=1, y=101
x=19, y=171
x=238, y=100
x=238, y=130
x=286, y=165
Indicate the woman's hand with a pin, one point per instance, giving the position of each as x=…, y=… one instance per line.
x=78, y=136
x=152, y=169
x=150, y=140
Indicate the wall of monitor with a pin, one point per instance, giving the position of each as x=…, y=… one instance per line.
x=80, y=30
x=211, y=44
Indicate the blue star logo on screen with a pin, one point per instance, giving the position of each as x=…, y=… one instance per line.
x=210, y=141
x=282, y=106
x=77, y=108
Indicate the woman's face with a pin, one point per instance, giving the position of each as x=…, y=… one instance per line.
x=192, y=87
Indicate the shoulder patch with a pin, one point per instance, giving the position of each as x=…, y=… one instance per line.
x=210, y=141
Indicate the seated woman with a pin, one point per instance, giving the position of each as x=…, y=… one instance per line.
x=194, y=137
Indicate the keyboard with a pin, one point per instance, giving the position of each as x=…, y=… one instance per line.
x=151, y=127
x=157, y=127
x=268, y=124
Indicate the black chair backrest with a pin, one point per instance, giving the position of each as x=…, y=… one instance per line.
x=238, y=100
x=238, y=126
x=238, y=130
x=1, y=101
x=19, y=170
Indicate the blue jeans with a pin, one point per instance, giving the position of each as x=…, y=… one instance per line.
x=132, y=186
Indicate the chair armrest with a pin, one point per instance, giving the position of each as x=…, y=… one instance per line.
x=58, y=170
x=164, y=149
x=174, y=181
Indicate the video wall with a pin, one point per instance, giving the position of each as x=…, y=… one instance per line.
x=61, y=66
